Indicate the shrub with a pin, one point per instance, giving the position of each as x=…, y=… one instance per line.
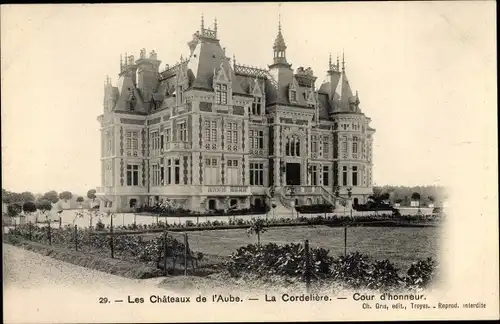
x=384, y=275
x=421, y=273
x=14, y=209
x=315, y=209
x=99, y=225
x=352, y=269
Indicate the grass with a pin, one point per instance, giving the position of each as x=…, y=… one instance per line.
x=401, y=245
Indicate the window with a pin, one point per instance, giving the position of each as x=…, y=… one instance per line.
x=231, y=136
x=314, y=144
x=256, y=106
x=232, y=163
x=156, y=176
x=344, y=147
x=181, y=94
x=326, y=147
x=326, y=175
x=354, y=176
x=132, y=143
x=162, y=141
x=354, y=145
x=182, y=131
x=221, y=94
x=256, y=139
x=292, y=147
x=155, y=142
x=210, y=134
x=177, y=172
x=293, y=95
x=256, y=174
x=344, y=176
x=314, y=175
x=132, y=175
x=168, y=135
x=162, y=175
x=212, y=174
x=169, y=171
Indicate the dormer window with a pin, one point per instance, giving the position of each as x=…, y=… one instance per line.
x=256, y=106
x=293, y=95
x=221, y=94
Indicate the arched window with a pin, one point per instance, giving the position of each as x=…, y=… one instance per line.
x=292, y=146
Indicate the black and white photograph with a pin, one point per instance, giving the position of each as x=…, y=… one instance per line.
x=249, y=162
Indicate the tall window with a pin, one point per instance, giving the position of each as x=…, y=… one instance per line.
x=292, y=147
x=233, y=172
x=326, y=175
x=132, y=143
x=344, y=176
x=354, y=146
x=162, y=175
x=182, y=128
x=314, y=175
x=221, y=94
x=293, y=95
x=256, y=106
x=314, y=144
x=162, y=141
x=132, y=175
x=231, y=136
x=212, y=172
x=155, y=172
x=256, y=174
x=177, y=171
x=168, y=135
x=326, y=147
x=210, y=135
x=181, y=94
x=155, y=142
x=354, y=175
x=256, y=139
x=169, y=171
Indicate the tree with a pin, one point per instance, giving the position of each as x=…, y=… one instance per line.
x=65, y=195
x=29, y=207
x=431, y=199
x=14, y=209
x=44, y=206
x=257, y=227
x=91, y=194
x=415, y=196
x=79, y=199
x=27, y=196
x=51, y=196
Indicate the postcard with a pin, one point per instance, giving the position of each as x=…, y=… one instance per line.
x=249, y=162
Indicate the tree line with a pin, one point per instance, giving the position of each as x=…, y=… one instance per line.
x=404, y=195
x=26, y=201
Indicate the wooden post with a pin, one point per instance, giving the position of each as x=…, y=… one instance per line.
x=185, y=253
x=15, y=226
x=30, y=230
x=165, y=253
x=308, y=266
x=112, y=242
x=345, y=240
x=60, y=221
x=76, y=237
x=49, y=232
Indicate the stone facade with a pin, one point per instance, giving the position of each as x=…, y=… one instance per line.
x=210, y=133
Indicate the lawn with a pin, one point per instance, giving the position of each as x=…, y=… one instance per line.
x=401, y=245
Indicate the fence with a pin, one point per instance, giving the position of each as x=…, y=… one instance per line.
x=199, y=252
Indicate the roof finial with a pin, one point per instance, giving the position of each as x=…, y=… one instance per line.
x=279, y=18
x=338, y=64
x=202, y=23
x=215, y=26
x=330, y=61
x=121, y=62
x=234, y=59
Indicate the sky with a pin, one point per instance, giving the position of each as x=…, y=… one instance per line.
x=425, y=73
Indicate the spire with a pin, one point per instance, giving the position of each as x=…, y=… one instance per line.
x=202, y=23
x=338, y=65
x=215, y=26
x=121, y=62
x=279, y=47
x=330, y=61
x=343, y=62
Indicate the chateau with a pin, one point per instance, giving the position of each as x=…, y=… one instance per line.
x=211, y=133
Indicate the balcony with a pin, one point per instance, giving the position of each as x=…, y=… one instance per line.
x=221, y=190
x=177, y=146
